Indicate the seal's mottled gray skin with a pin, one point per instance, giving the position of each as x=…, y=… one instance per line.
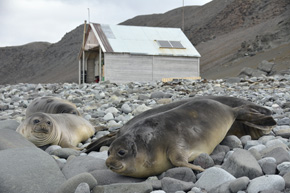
x=51, y=105
x=177, y=135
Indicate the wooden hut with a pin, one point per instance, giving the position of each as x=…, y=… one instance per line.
x=120, y=53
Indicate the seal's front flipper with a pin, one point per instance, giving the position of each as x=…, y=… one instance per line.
x=178, y=159
x=103, y=141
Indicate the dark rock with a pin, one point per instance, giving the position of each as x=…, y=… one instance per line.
x=170, y=185
x=232, y=142
x=239, y=184
x=242, y=163
x=29, y=170
x=280, y=154
x=12, y=139
x=286, y=105
x=287, y=180
x=71, y=184
x=246, y=71
x=128, y=188
x=106, y=177
x=220, y=148
x=82, y=164
x=266, y=66
x=204, y=160
x=157, y=95
x=233, y=80
x=258, y=73
x=218, y=158
x=268, y=165
x=180, y=173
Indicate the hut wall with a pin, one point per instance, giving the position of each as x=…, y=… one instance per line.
x=175, y=67
x=127, y=67
x=146, y=68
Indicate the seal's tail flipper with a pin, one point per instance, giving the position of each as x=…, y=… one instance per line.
x=254, y=120
x=103, y=141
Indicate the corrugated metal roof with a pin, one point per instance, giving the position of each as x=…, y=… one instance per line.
x=142, y=40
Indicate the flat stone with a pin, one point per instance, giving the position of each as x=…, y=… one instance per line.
x=27, y=170
x=242, y=163
x=128, y=188
x=106, y=177
x=268, y=182
x=213, y=177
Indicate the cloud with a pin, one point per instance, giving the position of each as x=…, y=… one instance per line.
x=25, y=21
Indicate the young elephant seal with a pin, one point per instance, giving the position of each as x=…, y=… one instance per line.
x=177, y=136
x=65, y=130
x=51, y=105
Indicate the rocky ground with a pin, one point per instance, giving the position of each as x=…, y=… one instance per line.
x=237, y=164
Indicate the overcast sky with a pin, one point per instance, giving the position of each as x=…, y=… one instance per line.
x=25, y=21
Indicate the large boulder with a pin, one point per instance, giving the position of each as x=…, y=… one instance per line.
x=242, y=163
x=29, y=170
x=12, y=139
x=266, y=66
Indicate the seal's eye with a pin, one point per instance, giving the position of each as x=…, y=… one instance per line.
x=109, y=153
x=48, y=122
x=74, y=113
x=36, y=121
x=121, y=153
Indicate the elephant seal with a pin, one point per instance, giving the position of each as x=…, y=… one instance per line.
x=175, y=137
x=238, y=128
x=51, y=105
x=65, y=130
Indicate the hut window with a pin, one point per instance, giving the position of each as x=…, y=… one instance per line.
x=169, y=44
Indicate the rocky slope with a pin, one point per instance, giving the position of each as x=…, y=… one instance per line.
x=41, y=62
x=232, y=34
x=229, y=34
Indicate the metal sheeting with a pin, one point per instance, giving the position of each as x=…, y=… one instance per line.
x=142, y=40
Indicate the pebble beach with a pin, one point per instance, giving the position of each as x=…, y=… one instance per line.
x=239, y=165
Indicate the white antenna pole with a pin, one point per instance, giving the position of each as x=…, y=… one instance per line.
x=183, y=15
x=88, y=15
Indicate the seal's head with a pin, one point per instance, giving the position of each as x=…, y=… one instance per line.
x=122, y=156
x=39, y=128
